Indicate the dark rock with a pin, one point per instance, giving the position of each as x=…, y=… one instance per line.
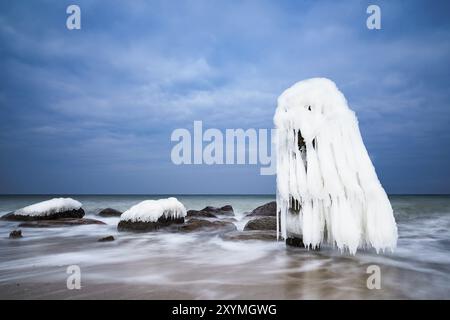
x=108, y=212
x=73, y=214
x=264, y=235
x=200, y=213
x=262, y=223
x=15, y=234
x=295, y=242
x=298, y=242
x=225, y=210
x=268, y=209
x=140, y=226
x=66, y=222
x=211, y=212
x=195, y=224
x=106, y=239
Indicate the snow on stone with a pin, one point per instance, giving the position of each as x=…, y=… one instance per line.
x=327, y=187
x=152, y=210
x=49, y=207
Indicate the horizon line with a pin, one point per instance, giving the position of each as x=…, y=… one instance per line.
x=189, y=194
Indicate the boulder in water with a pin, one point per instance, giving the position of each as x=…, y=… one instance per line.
x=195, y=224
x=226, y=210
x=106, y=239
x=262, y=223
x=268, y=209
x=57, y=208
x=200, y=213
x=109, y=212
x=152, y=215
x=15, y=234
x=143, y=226
x=65, y=222
x=263, y=235
x=295, y=242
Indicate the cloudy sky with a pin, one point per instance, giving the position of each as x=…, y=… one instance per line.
x=92, y=110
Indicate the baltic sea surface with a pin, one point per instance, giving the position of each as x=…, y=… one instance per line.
x=170, y=265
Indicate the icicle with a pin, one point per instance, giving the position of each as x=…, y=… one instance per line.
x=327, y=187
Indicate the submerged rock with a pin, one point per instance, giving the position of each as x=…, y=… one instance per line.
x=295, y=242
x=15, y=234
x=106, y=239
x=66, y=222
x=262, y=223
x=75, y=214
x=109, y=212
x=195, y=224
x=268, y=209
x=142, y=226
x=264, y=235
x=226, y=210
x=200, y=213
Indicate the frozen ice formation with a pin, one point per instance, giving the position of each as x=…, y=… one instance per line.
x=49, y=207
x=152, y=210
x=327, y=187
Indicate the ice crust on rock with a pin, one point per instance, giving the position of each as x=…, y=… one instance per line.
x=49, y=207
x=152, y=210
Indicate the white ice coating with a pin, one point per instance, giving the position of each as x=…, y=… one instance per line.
x=49, y=207
x=339, y=197
x=152, y=210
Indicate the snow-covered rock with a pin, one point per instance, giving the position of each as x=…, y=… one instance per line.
x=56, y=208
x=152, y=214
x=327, y=187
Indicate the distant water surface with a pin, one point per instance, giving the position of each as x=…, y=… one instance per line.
x=161, y=265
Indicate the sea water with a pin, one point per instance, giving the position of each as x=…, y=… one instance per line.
x=161, y=265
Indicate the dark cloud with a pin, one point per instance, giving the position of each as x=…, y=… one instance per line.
x=91, y=111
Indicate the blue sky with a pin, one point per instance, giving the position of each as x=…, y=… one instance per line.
x=92, y=110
